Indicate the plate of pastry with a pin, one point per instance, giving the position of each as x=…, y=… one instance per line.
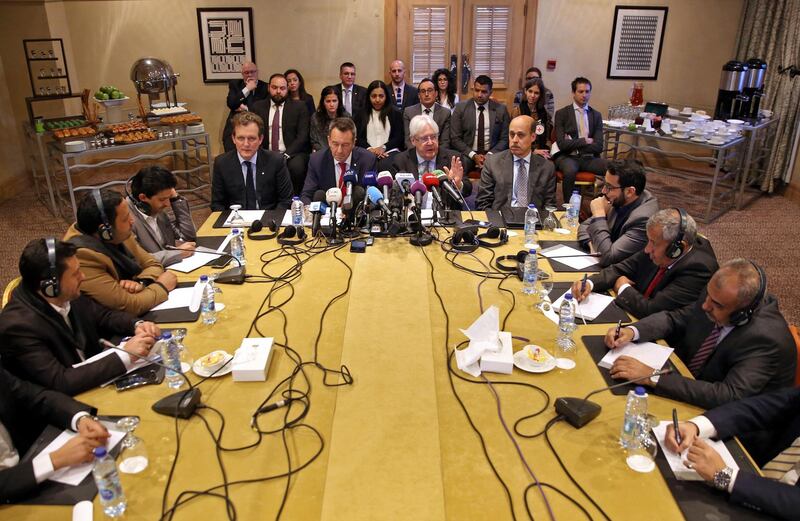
x=534, y=359
x=207, y=365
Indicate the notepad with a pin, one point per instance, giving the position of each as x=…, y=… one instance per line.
x=648, y=353
x=582, y=260
x=676, y=461
x=178, y=298
x=75, y=474
x=590, y=308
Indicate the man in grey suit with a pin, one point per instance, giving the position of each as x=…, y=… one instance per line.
x=352, y=97
x=427, y=105
x=479, y=126
x=733, y=339
x=617, y=227
x=517, y=177
x=152, y=193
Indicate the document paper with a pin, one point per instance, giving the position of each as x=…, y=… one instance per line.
x=676, y=460
x=75, y=475
x=648, y=353
x=590, y=308
x=582, y=261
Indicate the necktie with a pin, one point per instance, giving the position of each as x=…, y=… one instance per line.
x=342, y=171
x=522, y=183
x=398, y=97
x=424, y=167
x=427, y=112
x=582, y=128
x=704, y=353
x=784, y=466
x=653, y=283
x=481, y=131
x=348, y=101
x=275, y=134
x=250, y=198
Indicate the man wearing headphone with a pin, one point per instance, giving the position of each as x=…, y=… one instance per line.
x=152, y=194
x=48, y=326
x=119, y=273
x=733, y=339
x=668, y=274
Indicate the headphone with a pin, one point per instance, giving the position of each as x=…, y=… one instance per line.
x=50, y=286
x=104, y=230
x=677, y=247
x=292, y=235
x=256, y=226
x=465, y=239
x=501, y=234
x=517, y=263
x=743, y=316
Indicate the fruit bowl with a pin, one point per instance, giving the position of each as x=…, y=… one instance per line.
x=112, y=102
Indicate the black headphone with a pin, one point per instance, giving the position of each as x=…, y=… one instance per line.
x=256, y=226
x=465, y=239
x=517, y=263
x=743, y=316
x=142, y=206
x=292, y=235
x=50, y=286
x=501, y=234
x=105, y=230
x=677, y=248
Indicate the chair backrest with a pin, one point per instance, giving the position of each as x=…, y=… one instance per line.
x=7, y=292
x=796, y=335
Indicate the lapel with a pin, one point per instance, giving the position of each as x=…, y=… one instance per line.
x=469, y=119
x=140, y=225
x=329, y=169
x=533, y=174
x=261, y=177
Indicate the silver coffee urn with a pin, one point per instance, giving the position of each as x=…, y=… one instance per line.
x=754, y=87
x=730, y=97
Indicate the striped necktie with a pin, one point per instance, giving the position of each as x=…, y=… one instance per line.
x=704, y=353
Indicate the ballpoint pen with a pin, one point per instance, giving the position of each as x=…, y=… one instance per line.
x=616, y=333
x=675, y=425
x=583, y=284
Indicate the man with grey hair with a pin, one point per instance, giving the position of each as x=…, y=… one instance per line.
x=733, y=340
x=669, y=273
x=242, y=95
x=427, y=156
x=427, y=105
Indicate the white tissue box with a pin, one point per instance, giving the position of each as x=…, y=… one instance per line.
x=501, y=361
x=252, y=360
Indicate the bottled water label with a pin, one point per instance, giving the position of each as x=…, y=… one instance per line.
x=530, y=273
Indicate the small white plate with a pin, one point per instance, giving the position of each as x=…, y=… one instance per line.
x=565, y=363
x=522, y=361
x=716, y=141
x=200, y=371
x=699, y=139
x=562, y=231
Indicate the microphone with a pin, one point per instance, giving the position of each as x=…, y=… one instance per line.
x=230, y=276
x=334, y=198
x=350, y=179
x=181, y=404
x=376, y=198
x=432, y=184
x=385, y=181
x=419, y=190
x=404, y=180
x=448, y=186
x=578, y=412
x=369, y=179
x=317, y=209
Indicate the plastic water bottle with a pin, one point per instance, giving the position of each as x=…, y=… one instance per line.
x=566, y=325
x=109, y=488
x=208, y=310
x=530, y=273
x=297, y=211
x=574, y=209
x=531, y=220
x=171, y=355
x=635, y=416
x=237, y=245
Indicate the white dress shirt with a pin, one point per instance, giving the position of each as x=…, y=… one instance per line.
x=377, y=132
x=338, y=170
x=152, y=223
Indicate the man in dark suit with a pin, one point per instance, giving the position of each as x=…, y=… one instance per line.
x=242, y=94
x=473, y=136
x=517, y=176
x=351, y=96
x=48, y=327
x=25, y=410
x=579, y=137
x=427, y=156
x=775, y=418
x=286, y=128
x=327, y=167
x=250, y=176
x=617, y=228
x=427, y=105
x=403, y=94
x=733, y=339
x=668, y=274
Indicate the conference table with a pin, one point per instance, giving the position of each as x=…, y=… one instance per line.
x=396, y=443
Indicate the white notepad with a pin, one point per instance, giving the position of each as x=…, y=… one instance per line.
x=675, y=460
x=590, y=308
x=648, y=353
x=582, y=261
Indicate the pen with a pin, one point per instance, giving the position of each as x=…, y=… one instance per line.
x=616, y=333
x=675, y=424
x=583, y=283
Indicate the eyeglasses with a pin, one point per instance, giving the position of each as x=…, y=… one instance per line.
x=430, y=138
x=608, y=187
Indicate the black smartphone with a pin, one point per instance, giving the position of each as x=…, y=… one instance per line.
x=358, y=246
x=370, y=240
x=148, y=375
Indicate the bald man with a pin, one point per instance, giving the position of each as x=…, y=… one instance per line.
x=517, y=176
x=403, y=94
x=242, y=94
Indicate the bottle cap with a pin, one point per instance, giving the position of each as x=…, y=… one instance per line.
x=203, y=278
x=100, y=452
x=235, y=231
x=296, y=198
x=531, y=205
x=568, y=296
x=532, y=252
x=640, y=391
x=166, y=336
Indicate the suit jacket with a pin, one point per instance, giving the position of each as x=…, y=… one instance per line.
x=169, y=229
x=102, y=280
x=322, y=172
x=25, y=410
x=463, y=128
x=38, y=346
x=236, y=99
x=395, y=140
x=632, y=236
x=294, y=125
x=273, y=184
x=757, y=357
x=497, y=181
x=567, y=133
x=407, y=162
x=440, y=115
x=360, y=101
x=679, y=286
x=410, y=96
x=777, y=416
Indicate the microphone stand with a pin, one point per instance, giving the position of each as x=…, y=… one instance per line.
x=422, y=237
x=333, y=238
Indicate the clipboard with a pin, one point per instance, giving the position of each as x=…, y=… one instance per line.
x=175, y=315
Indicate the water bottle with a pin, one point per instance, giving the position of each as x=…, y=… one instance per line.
x=530, y=273
x=635, y=417
x=574, y=209
x=171, y=355
x=237, y=245
x=531, y=220
x=297, y=211
x=109, y=488
x=566, y=325
x=208, y=310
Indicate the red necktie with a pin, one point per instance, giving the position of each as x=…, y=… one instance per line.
x=653, y=283
x=704, y=353
x=342, y=171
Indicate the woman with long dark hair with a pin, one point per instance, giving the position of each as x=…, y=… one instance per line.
x=380, y=127
x=297, y=89
x=445, y=89
x=328, y=109
x=533, y=105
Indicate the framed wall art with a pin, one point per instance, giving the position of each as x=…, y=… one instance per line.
x=226, y=42
x=636, y=42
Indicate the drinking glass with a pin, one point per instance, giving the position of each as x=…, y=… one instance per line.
x=133, y=458
x=236, y=217
x=550, y=222
x=545, y=285
x=642, y=457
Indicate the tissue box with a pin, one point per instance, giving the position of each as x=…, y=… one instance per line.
x=501, y=361
x=252, y=360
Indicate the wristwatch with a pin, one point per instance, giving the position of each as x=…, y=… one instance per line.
x=654, y=377
x=722, y=478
